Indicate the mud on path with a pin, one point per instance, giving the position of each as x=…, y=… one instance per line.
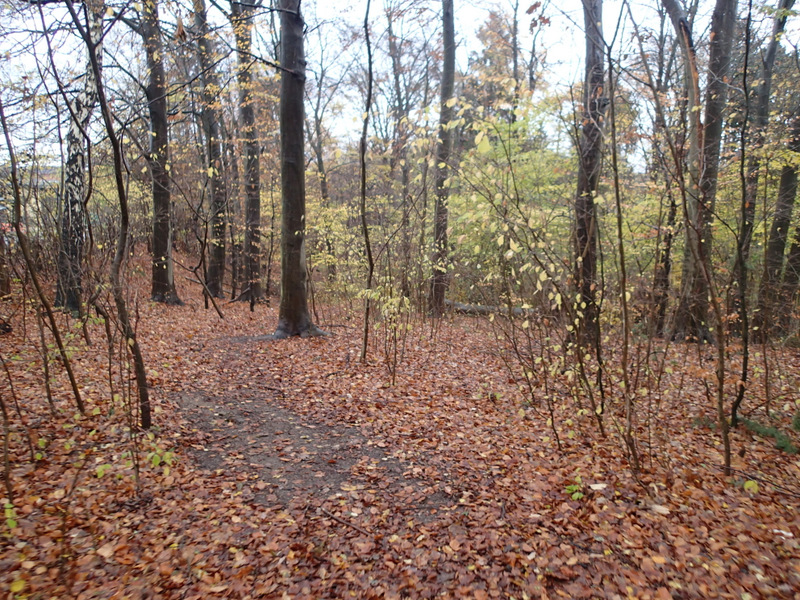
x=289, y=459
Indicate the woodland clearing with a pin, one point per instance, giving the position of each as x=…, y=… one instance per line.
x=292, y=470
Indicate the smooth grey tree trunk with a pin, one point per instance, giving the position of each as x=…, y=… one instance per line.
x=242, y=21
x=439, y=280
x=211, y=129
x=293, y=315
x=163, y=282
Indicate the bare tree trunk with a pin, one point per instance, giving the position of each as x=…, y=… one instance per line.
x=691, y=320
x=242, y=21
x=75, y=194
x=363, y=195
x=782, y=298
x=589, y=165
x=210, y=119
x=515, y=60
x=293, y=316
x=30, y=263
x=231, y=168
x=439, y=281
x=163, y=284
x=121, y=252
x=761, y=118
x=401, y=110
x=663, y=262
x=5, y=271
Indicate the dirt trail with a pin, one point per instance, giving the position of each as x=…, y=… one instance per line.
x=294, y=458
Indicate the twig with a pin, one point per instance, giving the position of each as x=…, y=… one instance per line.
x=343, y=522
x=208, y=294
x=762, y=479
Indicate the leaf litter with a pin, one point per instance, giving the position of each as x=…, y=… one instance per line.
x=290, y=469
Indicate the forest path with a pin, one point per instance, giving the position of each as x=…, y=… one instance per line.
x=245, y=424
x=330, y=481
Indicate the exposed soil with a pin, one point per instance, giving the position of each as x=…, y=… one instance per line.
x=292, y=456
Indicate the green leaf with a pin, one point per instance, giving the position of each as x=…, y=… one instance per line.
x=102, y=470
x=751, y=486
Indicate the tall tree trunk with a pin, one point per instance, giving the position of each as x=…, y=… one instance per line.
x=121, y=252
x=760, y=121
x=210, y=119
x=74, y=195
x=660, y=161
x=776, y=301
x=293, y=315
x=691, y=320
x=242, y=21
x=363, y=190
x=230, y=158
x=401, y=110
x=589, y=164
x=515, y=60
x=439, y=280
x=5, y=271
x=163, y=284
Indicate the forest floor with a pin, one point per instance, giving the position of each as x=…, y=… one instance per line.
x=293, y=470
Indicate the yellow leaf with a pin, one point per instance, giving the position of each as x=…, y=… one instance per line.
x=451, y=102
x=17, y=586
x=484, y=147
x=751, y=486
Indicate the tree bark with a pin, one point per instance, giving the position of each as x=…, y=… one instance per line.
x=775, y=301
x=439, y=281
x=73, y=216
x=210, y=120
x=691, y=319
x=5, y=271
x=242, y=21
x=401, y=109
x=163, y=283
x=293, y=316
x=761, y=119
x=121, y=252
x=589, y=164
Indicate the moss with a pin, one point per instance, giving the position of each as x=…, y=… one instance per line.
x=782, y=442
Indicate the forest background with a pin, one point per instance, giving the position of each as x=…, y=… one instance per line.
x=564, y=235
